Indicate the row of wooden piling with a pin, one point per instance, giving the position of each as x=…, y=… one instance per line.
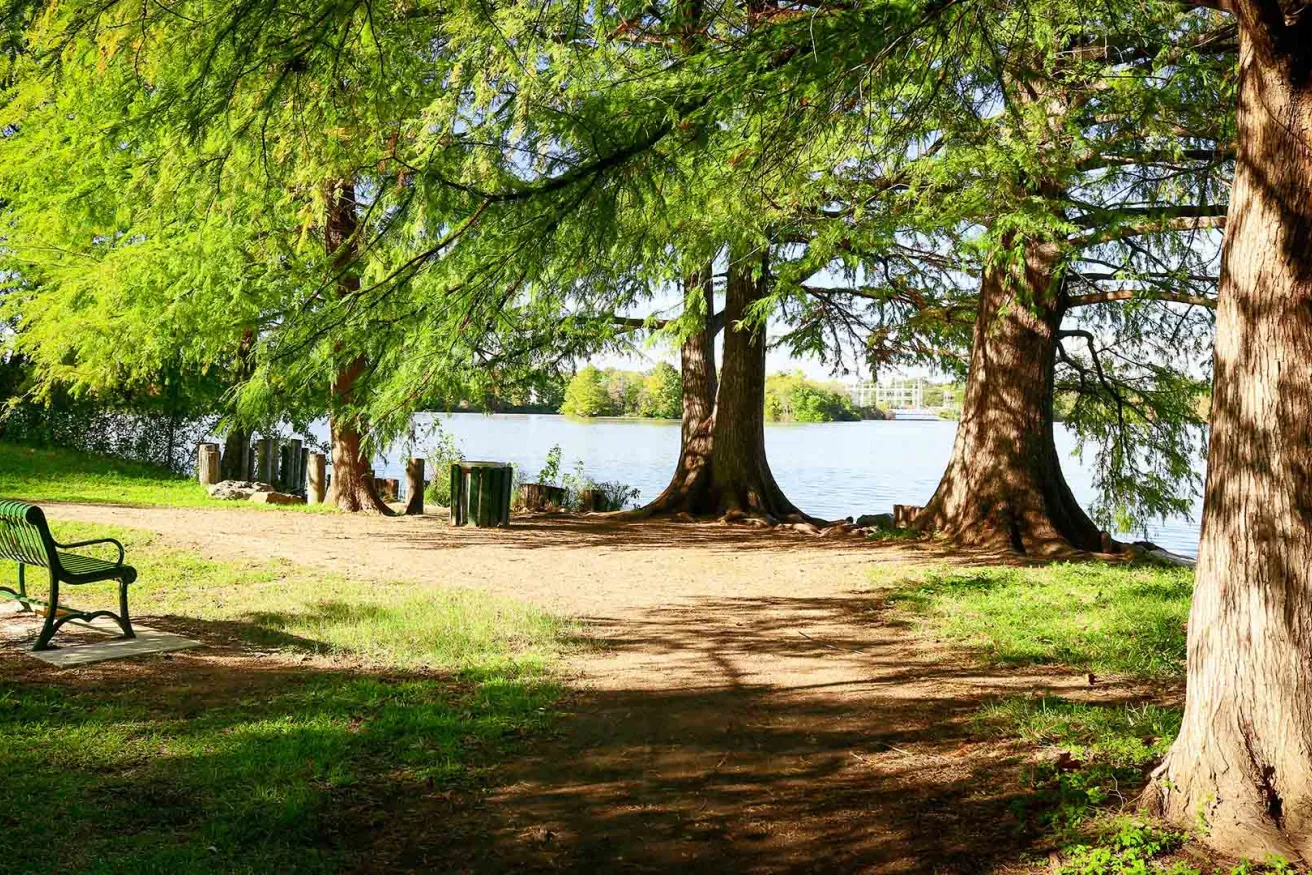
x=291, y=468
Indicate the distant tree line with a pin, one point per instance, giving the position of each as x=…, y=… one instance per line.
x=653, y=394
x=657, y=394
x=794, y=398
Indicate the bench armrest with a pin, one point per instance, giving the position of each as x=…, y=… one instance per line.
x=94, y=541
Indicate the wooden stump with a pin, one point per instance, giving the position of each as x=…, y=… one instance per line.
x=386, y=487
x=904, y=515
x=414, y=487
x=539, y=496
x=316, y=484
x=480, y=493
x=591, y=500
x=207, y=463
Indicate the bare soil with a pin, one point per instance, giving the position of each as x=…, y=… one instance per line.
x=752, y=706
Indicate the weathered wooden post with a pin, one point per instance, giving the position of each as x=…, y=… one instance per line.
x=540, y=496
x=414, y=486
x=316, y=483
x=265, y=461
x=480, y=493
x=286, y=472
x=207, y=463
x=303, y=470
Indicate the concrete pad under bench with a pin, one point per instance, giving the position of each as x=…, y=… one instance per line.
x=147, y=641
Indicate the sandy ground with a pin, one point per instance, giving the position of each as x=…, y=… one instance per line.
x=754, y=707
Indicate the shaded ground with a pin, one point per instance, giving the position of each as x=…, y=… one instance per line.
x=752, y=708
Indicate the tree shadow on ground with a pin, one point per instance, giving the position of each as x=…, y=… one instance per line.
x=773, y=734
x=852, y=752
x=574, y=531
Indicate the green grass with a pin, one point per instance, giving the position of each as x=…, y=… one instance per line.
x=1091, y=758
x=1106, y=619
x=1092, y=754
x=46, y=475
x=375, y=694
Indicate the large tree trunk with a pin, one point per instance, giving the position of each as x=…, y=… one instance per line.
x=352, y=488
x=741, y=481
x=1003, y=487
x=1242, y=764
x=688, y=487
x=722, y=470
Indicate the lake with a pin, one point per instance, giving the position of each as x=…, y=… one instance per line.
x=831, y=470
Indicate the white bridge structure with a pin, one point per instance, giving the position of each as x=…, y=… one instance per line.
x=887, y=397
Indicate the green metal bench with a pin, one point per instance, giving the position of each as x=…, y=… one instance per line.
x=25, y=538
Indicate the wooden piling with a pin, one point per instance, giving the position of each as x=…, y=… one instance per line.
x=207, y=463
x=316, y=483
x=414, y=486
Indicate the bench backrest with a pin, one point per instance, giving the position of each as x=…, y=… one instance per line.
x=24, y=534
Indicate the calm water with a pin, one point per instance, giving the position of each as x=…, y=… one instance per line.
x=831, y=470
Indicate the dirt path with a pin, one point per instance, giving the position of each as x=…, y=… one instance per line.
x=755, y=709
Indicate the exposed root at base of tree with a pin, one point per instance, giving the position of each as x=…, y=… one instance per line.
x=800, y=523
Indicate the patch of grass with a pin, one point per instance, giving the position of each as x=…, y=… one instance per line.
x=266, y=765
x=47, y=475
x=1132, y=846
x=280, y=605
x=1091, y=754
x=1095, y=617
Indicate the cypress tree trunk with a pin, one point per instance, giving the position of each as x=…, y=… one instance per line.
x=688, y=487
x=741, y=481
x=722, y=468
x=1242, y=763
x=236, y=452
x=1003, y=487
x=352, y=487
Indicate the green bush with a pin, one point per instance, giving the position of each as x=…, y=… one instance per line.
x=794, y=398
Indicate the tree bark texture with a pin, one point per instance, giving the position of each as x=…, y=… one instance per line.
x=1242, y=763
x=741, y=481
x=1003, y=487
x=352, y=486
x=687, y=489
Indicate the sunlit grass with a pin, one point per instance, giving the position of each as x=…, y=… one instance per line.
x=269, y=765
x=1096, y=617
x=50, y=475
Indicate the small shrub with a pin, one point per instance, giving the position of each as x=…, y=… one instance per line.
x=441, y=450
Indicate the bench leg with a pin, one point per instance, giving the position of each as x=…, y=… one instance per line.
x=52, y=608
x=124, y=622
x=22, y=587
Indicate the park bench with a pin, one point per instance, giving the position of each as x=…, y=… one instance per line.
x=25, y=538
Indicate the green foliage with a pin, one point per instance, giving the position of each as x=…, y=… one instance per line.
x=1128, y=848
x=587, y=394
x=656, y=394
x=523, y=172
x=610, y=495
x=440, y=450
x=135, y=777
x=794, y=398
x=1100, y=618
x=662, y=393
x=550, y=472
